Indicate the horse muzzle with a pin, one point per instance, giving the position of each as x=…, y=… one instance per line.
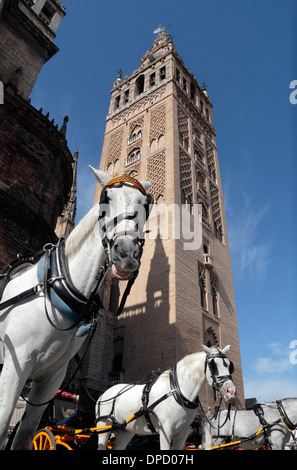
x=228, y=390
x=125, y=254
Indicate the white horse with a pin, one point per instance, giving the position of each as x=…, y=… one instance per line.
x=36, y=338
x=166, y=406
x=269, y=424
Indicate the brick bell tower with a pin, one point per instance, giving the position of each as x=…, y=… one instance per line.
x=36, y=166
x=160, y=128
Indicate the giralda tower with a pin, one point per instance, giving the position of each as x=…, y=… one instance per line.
x=160, y=128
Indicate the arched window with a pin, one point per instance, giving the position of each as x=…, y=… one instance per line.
x=161, y=142
x=117, y=363
x=135, y=135
x=202, y=286
x=210, y=338
x=201, y=181
x=154, y=145
x=205, y=215
x=133, y=156
x=139, y=85
x=214, y=295
x=110, y=169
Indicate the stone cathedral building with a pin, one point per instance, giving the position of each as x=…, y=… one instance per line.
x=160, y=128
x=37, y=170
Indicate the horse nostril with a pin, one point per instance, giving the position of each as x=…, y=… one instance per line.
x=122, y=254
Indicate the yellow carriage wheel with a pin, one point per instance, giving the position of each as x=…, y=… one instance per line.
x=44, y=440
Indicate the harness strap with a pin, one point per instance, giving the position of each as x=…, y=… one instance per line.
x=126, y=293
x=259, y=412
x=20, y=297
x=145, y=399
x=58, y=288
x=7, y=273
x=177, y=393
x=291, y=427
x=233, y=425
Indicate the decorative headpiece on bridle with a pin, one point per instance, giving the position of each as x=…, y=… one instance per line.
x=119, y=180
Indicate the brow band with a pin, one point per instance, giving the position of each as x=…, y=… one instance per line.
x=125, y=179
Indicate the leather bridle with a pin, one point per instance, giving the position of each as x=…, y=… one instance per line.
x=106, y=227
x=217, y=380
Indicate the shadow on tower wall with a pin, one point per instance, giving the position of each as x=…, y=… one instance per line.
x=148, y=337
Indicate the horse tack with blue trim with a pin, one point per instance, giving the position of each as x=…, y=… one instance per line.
x=56, y=282
x=58, y=288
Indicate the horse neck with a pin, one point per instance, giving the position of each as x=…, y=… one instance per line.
x=190, y=373
x=85, y=253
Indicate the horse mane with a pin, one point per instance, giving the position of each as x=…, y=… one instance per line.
x=81, y=231
x=186, y=363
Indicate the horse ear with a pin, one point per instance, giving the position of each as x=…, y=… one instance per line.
x=226, y=349
x=206, y=349
x=146, y=185
x=101, y=176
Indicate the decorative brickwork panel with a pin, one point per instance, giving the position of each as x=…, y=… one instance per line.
x=137, y=122
x=156, y=174
x=185, y=174
x=215, y=207
x=134, y=170
x=141, y=105
x=200, y=181
x=197, y=134
x=157, y=122
x=195, y=114
x=183, y=125
x=211, y=162
x=115, y=146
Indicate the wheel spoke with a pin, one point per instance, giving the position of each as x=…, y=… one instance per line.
x=44, y=440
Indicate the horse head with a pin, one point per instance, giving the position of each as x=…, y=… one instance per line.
x=218, y=371
x=124, y=207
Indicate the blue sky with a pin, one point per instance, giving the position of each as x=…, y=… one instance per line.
x=246, y=53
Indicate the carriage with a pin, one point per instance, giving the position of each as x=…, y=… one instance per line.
x=64, y=435
x=119, y=416
x=68, y=424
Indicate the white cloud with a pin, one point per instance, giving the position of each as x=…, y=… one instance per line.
x=267, y=365
x=277, y=362
x=271, y=389
x=273, y=376
x=249, y=254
